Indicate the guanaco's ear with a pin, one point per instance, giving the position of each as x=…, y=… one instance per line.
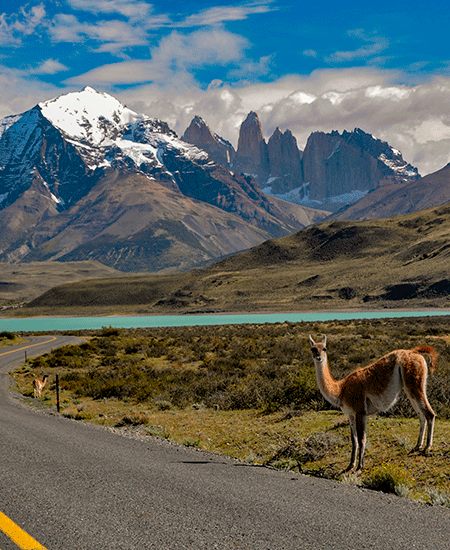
x=324, y=340
x=311, y=340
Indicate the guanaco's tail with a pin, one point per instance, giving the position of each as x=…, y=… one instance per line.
x=429, y=351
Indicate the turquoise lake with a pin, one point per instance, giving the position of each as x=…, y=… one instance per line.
x=48, y=324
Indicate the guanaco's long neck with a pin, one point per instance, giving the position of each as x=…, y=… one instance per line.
x=329, y=387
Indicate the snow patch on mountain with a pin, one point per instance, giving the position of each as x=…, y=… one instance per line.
x=52, y=196
x=335, y=150
x=7, y=122
x=398, y=165
x=299, y=196
x=88, y=115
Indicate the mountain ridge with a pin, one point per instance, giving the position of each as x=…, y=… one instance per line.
x=59, y=152
x=333, y=167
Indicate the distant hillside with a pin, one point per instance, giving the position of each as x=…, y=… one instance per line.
x=396, y=199
x=399, y=262
x=21, y=283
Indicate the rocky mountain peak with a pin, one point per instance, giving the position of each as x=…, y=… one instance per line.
x=335, y=168
x=355, y=162
x=199, y=134
x=251, y=154
x=284, y=161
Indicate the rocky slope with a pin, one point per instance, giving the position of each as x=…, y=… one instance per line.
x=390, y=200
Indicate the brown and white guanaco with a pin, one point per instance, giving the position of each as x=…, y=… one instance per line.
x=38, y=385
x=376, y=388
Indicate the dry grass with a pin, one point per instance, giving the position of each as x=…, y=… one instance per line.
x=10, y=339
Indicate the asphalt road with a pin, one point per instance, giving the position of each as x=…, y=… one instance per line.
x=74, y=486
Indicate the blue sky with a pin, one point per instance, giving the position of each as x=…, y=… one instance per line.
x=383, y=67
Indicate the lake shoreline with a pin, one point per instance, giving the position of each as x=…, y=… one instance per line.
x=64, y=323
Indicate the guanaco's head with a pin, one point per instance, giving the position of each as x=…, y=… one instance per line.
x=319, y=349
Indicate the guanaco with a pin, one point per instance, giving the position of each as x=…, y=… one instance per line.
x=376, y=388
x=38, y=385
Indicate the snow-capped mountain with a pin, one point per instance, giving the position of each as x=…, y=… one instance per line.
x=82, y=176
x=108, y=134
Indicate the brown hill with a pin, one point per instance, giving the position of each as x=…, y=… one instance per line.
x=21, y=283
x=399, y=262
x=392, y=200
x=134, y=223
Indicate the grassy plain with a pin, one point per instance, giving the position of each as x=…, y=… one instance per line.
x=249, y=391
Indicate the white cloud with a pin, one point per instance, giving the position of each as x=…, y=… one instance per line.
x=398, y=93
x=112, y=36
x=413, y=119
x=50, y=66
x=221, y=14
x=172, y=60
x=18, y=93
x=128, y=8
x=128, y=26
x=248, y=69
x=14, y=27
x=432, y=129
x=374, y=45
x=137, y=13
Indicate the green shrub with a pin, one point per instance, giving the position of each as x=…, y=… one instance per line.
x=110, y=331
x=265, y=366
x=388, y=478
x=134, y=419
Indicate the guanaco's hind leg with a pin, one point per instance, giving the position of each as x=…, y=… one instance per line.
x=415, y=382
x=361, y=428
x=426, y=417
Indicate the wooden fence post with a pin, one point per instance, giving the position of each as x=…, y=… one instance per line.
x=57, y=392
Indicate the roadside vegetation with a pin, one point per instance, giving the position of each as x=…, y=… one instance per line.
x=249, y=391
x=9, y=338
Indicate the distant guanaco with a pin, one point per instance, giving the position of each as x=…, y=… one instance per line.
x=38, y=385
x=376, y=388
